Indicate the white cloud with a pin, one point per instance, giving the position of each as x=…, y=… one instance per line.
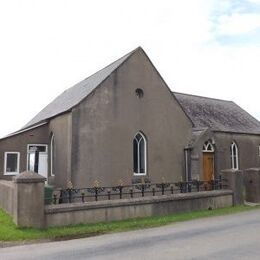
x=254, y=1
x=238, y=23
x=47, y=46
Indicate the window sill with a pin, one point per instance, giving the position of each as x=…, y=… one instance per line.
x=10, y=173
x=140, y=174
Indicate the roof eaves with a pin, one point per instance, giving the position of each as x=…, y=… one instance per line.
x=235, y=132
x=25, y=130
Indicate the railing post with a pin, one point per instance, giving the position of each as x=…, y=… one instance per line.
x=198, y=185
x=163, y=186
x=120, y=191
x=142, y=190
x=131, y=193
x=83, y=197
x=109, y=194
x=96, y=194
x=70, y=195
x=55, y=199
x=181, y=187
x=189, y=186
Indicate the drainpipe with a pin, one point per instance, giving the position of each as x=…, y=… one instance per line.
x=186, y=165
x=187, y=152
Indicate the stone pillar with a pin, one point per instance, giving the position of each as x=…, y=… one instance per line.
x=29, y=200
x=233, y=179
x=252, y=185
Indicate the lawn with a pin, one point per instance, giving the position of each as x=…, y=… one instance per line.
x=9, y=231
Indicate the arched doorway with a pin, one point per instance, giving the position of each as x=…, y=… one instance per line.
x=208, y=161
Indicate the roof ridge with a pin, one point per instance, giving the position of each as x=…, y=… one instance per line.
x=121, y=58
x=103, y=68
x=186, y=94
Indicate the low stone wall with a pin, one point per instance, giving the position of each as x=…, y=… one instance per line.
x=7, y=196
x=23, y=198
x=102, y=211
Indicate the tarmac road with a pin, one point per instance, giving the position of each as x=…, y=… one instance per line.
x=234, y=236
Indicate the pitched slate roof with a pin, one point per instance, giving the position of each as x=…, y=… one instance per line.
x=219, y=115
x=74, y=95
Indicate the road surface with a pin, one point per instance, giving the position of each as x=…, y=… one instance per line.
x=234, y=236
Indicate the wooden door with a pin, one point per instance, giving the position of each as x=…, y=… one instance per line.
x=208, y=166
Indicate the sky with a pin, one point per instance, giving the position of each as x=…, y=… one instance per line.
x=201, y=47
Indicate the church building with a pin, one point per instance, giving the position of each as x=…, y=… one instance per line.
x=124, y=124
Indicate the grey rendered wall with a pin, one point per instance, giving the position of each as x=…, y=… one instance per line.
x=105, y=124
x=61, y=128
x=18, y=143
x=247, y=146
x=197, y=155
x=247, y=150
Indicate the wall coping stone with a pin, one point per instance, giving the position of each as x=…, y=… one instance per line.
x=253, y=169
x=232, y=171
x=29, y=177
x=6, y=183
x=69, y=207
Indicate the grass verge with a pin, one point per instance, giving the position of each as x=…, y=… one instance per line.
x=9, y=231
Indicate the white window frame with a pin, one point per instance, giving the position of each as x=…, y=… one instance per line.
x=233, y=157
x=52, y=145
x=28, y=145
x=18, y=163
x=145, y=156
x=46, y=146
x=208, y=147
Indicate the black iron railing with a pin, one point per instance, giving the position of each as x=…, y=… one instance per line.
x=97, y=193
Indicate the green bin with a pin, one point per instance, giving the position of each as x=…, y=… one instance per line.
x=48, y=191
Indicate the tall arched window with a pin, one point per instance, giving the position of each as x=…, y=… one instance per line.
x=139, y=154
x=234, y=156
x=52, y=150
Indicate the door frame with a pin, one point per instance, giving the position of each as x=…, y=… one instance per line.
x=27, y=157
